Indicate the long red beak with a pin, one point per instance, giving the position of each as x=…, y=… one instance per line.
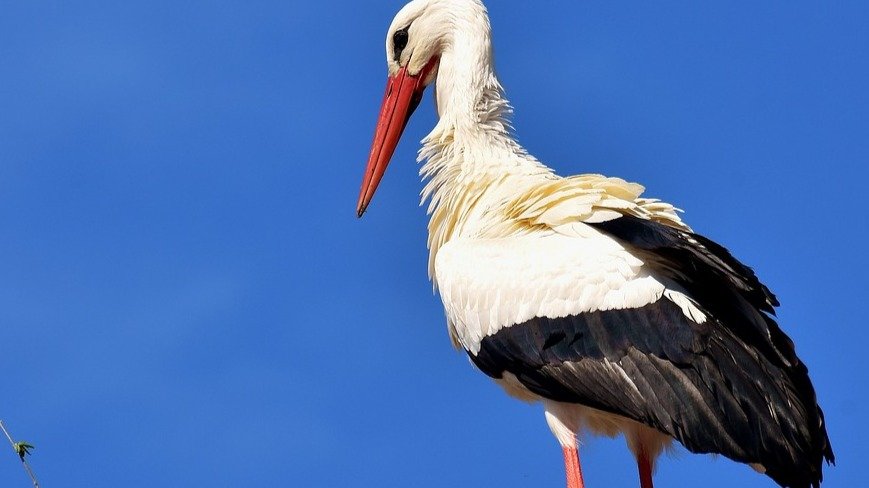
x=403, y=94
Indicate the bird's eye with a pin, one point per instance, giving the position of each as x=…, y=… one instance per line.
x=399, y=42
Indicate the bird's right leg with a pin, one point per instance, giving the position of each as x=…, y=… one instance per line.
x=644, y=466
x=564, y=424
x=646, y=444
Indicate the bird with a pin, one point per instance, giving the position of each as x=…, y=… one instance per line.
x=579, y=292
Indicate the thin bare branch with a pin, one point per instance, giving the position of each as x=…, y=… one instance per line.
x=15, y=447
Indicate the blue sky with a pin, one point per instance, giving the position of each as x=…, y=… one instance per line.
x=186, y=296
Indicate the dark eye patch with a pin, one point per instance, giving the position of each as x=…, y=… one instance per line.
x=399, y=42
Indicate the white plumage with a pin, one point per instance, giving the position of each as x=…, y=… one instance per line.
x=489, y=284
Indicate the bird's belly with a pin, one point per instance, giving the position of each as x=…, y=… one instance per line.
x=591, y=420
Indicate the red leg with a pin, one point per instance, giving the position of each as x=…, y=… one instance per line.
x=571, y=466
x=645, y=468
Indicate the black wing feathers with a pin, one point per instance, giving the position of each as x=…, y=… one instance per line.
x=732, y=385
x=711, y=276
x=697, y=259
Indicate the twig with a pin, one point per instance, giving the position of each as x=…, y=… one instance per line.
x=21, y=448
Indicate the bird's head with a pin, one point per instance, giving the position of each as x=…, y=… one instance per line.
x=415, y=41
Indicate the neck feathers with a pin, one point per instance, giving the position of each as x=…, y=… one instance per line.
x=471, y=158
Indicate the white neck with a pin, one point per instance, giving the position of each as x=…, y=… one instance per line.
x=472, y=160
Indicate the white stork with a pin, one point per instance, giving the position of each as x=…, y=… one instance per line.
x=579, y=293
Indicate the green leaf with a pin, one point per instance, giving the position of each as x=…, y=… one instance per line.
x=22, y=448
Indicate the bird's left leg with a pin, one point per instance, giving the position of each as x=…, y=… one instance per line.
x=572, y=468
x=564, y=425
